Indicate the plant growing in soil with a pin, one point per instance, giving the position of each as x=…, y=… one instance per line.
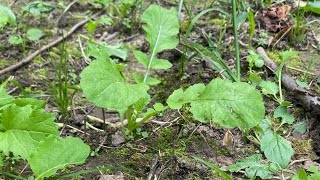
x=104, y=85
x=29, y=132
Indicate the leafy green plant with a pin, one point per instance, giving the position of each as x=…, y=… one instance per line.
x=7, y=16
x=254, y=166
x=222, y=102
x=36, y=8
x=29, y=132
x=105, y=86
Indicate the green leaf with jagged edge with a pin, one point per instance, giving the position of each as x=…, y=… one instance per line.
x=276, y=148
x=228, y=104
x=5, y=98
x=161, y=26
x=55, y=153
x=103, y=85
x=23, y=128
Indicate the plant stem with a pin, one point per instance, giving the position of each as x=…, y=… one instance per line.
x=235, y=34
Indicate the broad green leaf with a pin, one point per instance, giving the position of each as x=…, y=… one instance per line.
x=313, y=7
x=264, y=171
x=247, y=162
x=37, y=7
x=55, y=153
x=156, y=63
x=286, y=55
x=254, y=167
x=161, y=26
x=302, y=84
x=150, y=80
x=315, y=173
x=276, y=148
x=269, y=87
x=7, y=16
x=5, y=98
x=282, y=112
x=300, y=175
x=223, y=102
x=24, y=127
x=15, y=40
x=34, y=34
x=300, y=127
x=104, y=86
x=35, y=103
x=104, y=50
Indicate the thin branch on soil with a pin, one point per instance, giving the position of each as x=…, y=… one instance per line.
x=94, y=128
x=309, y=100
x=54, y=43
x=153, y=167
x=297, y=161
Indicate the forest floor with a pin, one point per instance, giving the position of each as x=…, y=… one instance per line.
x=168, y=151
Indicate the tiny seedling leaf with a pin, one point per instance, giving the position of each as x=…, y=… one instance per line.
x=223, y=102
x=15, y=40
x=34, y=34
x=276, y=148
x=24, y=128
x=104, y=86
x=55, y=153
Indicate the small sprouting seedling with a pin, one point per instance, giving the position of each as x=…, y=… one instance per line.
x=7, y=17
x=254, y=60
x=34, y=34
x=104, y=85
x=15, y=40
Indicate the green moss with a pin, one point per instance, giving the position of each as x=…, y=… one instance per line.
x=3, y=63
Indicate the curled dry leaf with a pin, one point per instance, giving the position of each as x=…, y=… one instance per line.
x=275, y=18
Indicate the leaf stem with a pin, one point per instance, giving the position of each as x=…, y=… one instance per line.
x=235, y=34
x=152, y=56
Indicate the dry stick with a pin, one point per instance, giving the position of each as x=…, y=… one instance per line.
x=54, y=43
x=308, y=100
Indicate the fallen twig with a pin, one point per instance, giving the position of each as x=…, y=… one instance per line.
x=309, y=100
x=54, y=43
